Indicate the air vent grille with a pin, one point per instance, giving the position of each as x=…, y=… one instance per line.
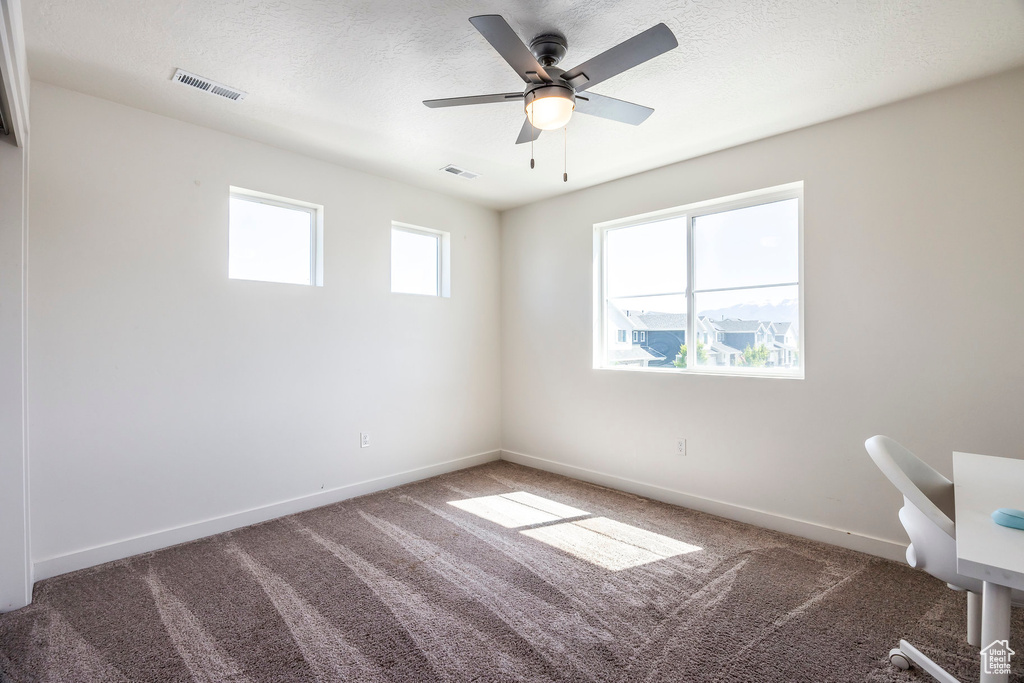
x=460, y=172
x=206, y=85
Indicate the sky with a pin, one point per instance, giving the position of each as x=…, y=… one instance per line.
x=414, y=257
x=757, y=245
x=269, y=243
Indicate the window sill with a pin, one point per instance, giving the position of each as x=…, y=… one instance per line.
x=712, y=372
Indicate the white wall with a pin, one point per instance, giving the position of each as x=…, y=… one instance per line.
x=15, y=568
x=162, y=394
x=168, y=402
x=914, y=237
x=15, y=554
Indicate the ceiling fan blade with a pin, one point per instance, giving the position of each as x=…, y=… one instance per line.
x=474, y=99
x=502, y=38
x=592, y=104
x=528, y=133
x=627, y=54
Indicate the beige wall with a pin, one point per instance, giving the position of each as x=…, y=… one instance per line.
x=913, y=239
x=166, y=401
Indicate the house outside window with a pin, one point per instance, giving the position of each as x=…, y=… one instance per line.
x=725, y=272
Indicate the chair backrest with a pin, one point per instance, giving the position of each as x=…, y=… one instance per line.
x=928, y=490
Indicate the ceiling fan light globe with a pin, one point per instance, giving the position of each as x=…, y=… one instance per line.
x=549, y=113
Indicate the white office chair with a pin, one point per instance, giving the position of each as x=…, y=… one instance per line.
x=928, y=516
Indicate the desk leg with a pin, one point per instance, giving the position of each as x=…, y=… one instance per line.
x=995, y=623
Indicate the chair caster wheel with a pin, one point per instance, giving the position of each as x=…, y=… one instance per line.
x=898, y=659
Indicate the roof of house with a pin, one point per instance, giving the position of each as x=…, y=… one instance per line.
x=633, y=353
x=732, y=325
x=655, y=321
x=658, y=321
x=718, y=347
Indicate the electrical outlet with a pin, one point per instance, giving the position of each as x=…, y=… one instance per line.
x=681, y=446
x=364, y=439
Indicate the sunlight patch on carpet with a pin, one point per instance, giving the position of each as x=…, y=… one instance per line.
x=601, y=541
x=609, y=544
x=517, y=509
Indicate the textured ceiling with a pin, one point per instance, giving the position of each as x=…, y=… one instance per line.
x=342, y=80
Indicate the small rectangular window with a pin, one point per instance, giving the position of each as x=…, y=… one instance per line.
x=419, y=261
x=622, y=337
x=728, y=270
x=273, y=239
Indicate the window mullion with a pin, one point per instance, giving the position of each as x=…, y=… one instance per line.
x=313, y=255
x=691, y=323
x=603, y=312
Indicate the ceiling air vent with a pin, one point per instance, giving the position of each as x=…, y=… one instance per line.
x=460, y=172
x=213, y=87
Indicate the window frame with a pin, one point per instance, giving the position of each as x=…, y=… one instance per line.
x=316, y=230
x=690, y=212
x=443, y=255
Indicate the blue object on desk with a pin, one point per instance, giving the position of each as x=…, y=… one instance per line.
x=1009, y=517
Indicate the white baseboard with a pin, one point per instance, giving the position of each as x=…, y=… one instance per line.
x=61, y=564
x=892, y=550
x=81, y=559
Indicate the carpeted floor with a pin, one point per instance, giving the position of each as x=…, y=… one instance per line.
x=495, y=573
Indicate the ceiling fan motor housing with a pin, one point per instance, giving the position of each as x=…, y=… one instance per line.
x=549, y=49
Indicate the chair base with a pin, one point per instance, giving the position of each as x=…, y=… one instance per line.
x=906, y=654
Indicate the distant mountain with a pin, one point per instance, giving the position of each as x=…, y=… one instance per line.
x=786, y=311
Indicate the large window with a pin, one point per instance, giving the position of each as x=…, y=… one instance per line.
x=273, y=239
x=419, y=261
x=725, y=273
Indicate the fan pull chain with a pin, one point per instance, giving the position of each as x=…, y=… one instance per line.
x=565, y=154
x=531, y=153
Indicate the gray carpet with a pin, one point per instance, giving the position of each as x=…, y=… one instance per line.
x=496, y=573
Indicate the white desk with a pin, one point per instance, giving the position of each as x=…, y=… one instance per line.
x=984, y=550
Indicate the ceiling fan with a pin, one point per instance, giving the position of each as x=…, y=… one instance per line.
x=552, y=94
